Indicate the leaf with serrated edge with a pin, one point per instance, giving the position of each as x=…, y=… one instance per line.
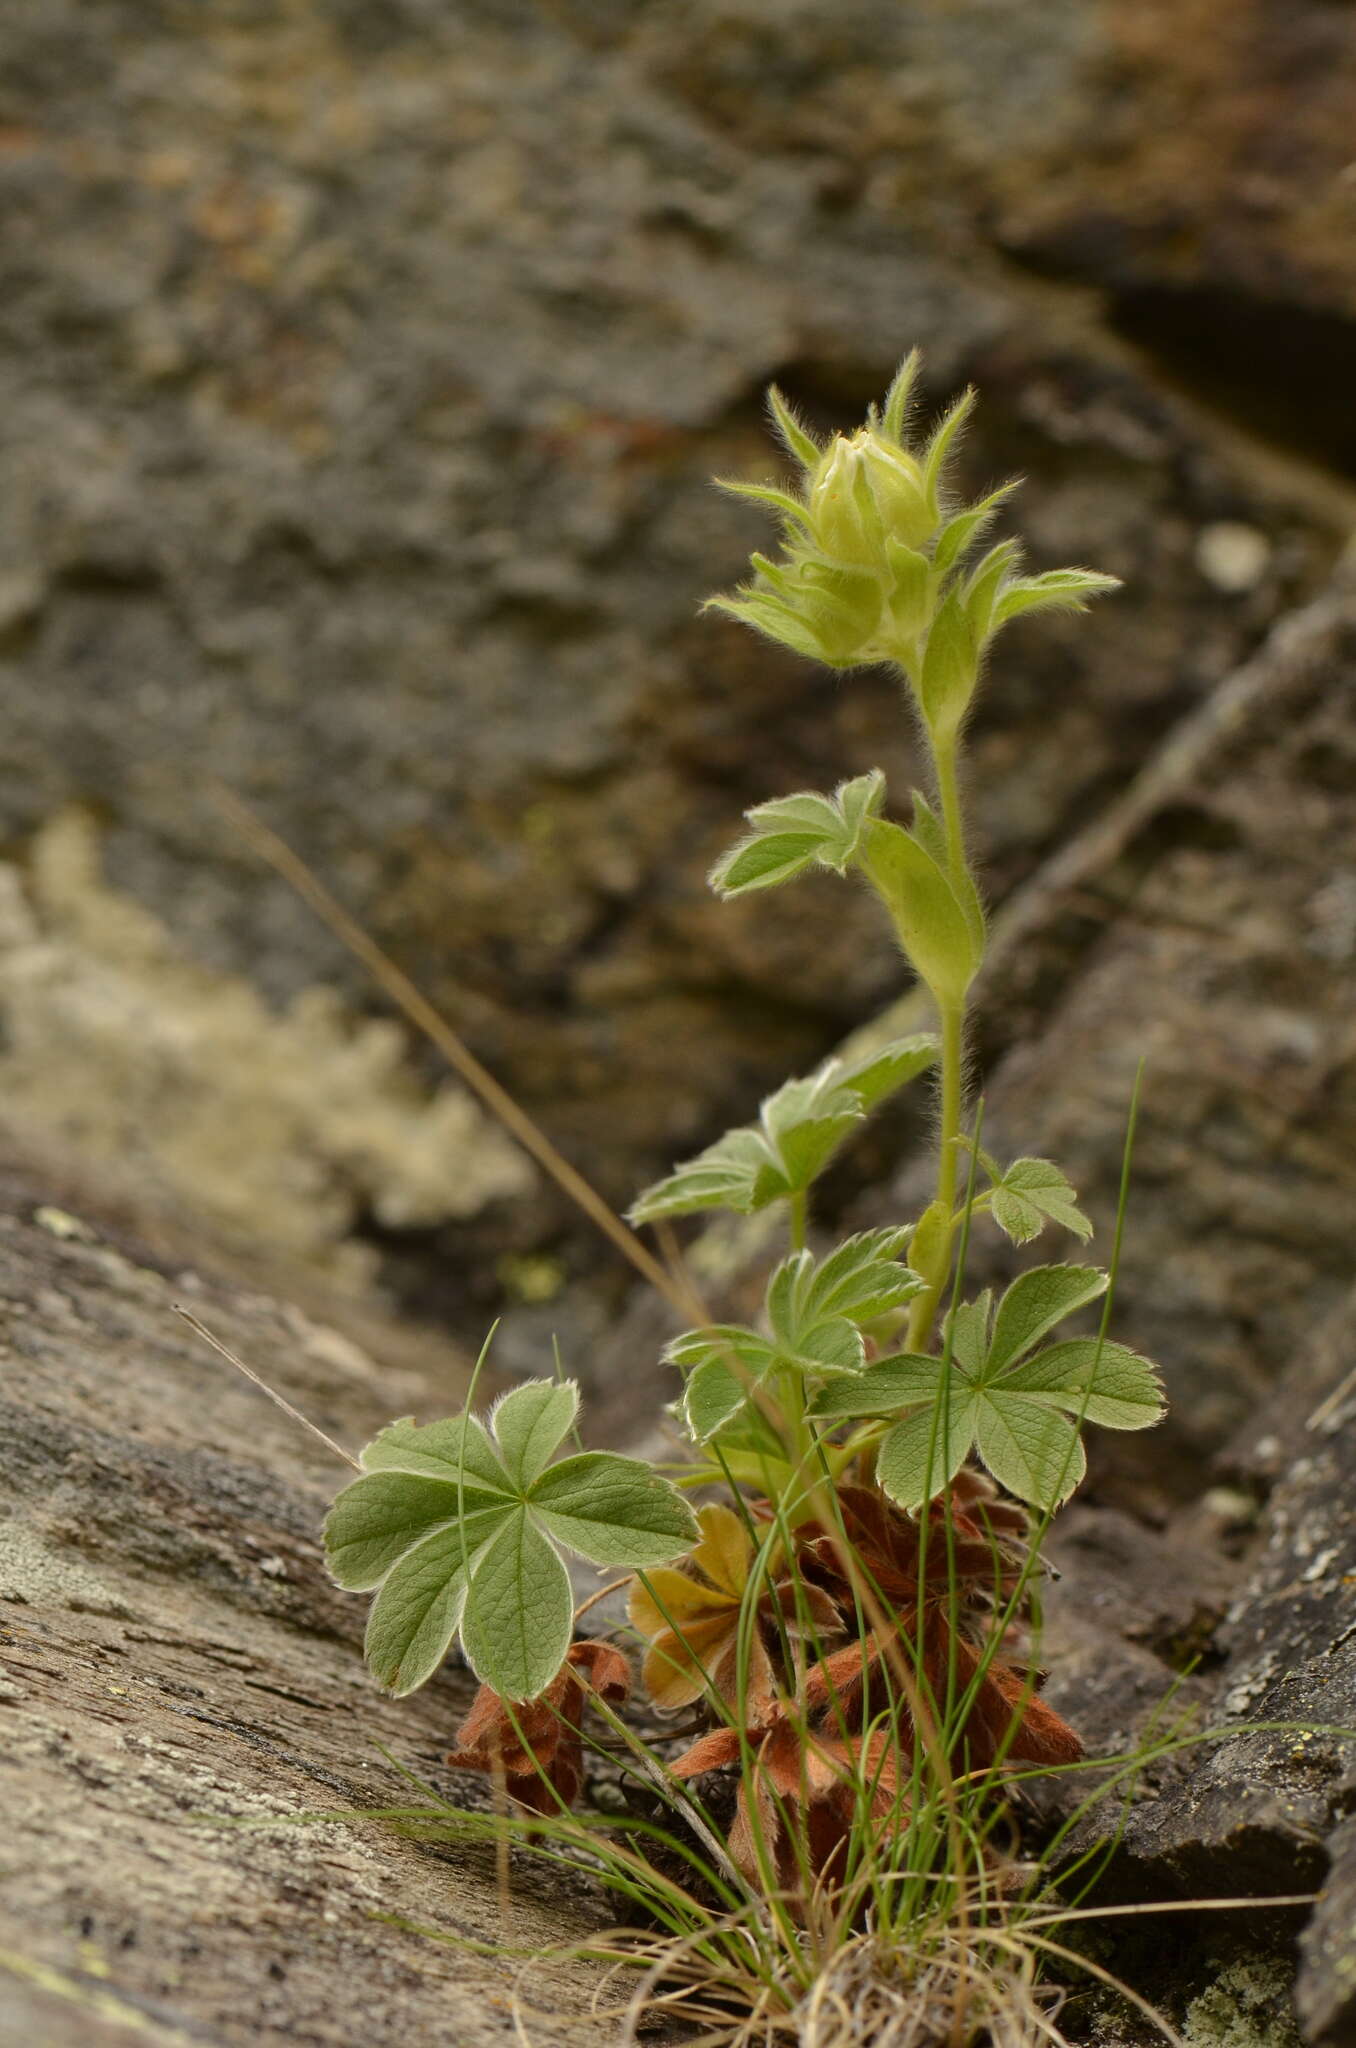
x=1029, y=1447
x=712, y=1398
x=907, y=1380
x=1118, y=1388
x=380, y=1516
x=923, y=1452
x=1037, y=1184
x=723, y=1176
x=530, y=1424
x=416, y=1614
x=807, y=1147
x=835, y=1346
x=519, y=1613
x=861, y=1278
x=726, y=1342
x=613, y=1510
x=1017, y=1218
x=878, y=1075
x=456, y=1449
x=1034, y=1303
x=968, y=1332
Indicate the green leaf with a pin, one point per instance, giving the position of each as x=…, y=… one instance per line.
x=1028, y=1446
x=907, y=1379
x=728, y=1175
x=950, y=668
x=924, y=1452
x=799, y=442
x=1103, y=1382
x=861, y=1278
x=726, y=1362
x=792, y=832
x=931, y=1234
x=419, y=1608
x=856, y=801
x=932, y=924
x=895, y=415
x=613, y=1510
x=712, y=1398
x=1065, y=590
x=876, y=1076
x=1034, y=1303
x=959, y=535
x=807, y=1146
x=1031, y=1193
x=771, y=617
x=967, y=1330
x=379, y=1517
x=763, y=861
x=800, y=1128
x=455, y=1449
x=940, y=446
x=814, y=1309
x=531, y=1423
x=834, y=1347
x=519, y=1612
x=424, y=1536
x=765, y=494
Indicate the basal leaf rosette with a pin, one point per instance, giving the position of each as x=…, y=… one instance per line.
x=459, y=1528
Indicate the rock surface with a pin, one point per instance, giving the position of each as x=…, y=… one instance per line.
x=363, y=372
x=180, y=1686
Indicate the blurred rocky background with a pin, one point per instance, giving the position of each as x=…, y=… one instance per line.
x=363, y=367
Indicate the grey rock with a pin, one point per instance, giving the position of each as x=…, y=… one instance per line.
x=363, y=372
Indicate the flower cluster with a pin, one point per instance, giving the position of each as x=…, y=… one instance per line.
x=874, y=554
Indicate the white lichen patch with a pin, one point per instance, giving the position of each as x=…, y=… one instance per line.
x=1247, y=2006
x=39, y=1574
x=282, y=1128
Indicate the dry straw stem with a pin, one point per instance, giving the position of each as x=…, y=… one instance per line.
x=674, y=1289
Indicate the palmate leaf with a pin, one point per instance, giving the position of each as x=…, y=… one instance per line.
x=614, y=1511
x=1018, y=1408
x=460, y=1527
x=793, y=833
x=1031, y=1449
x=1029, y=1194
x=1098, y=1380
x=1035, y=1302
x=814, y=1309
x=799, y=1130
x=924, y=1451
x=908, y=1379
x=519, y=1610
x=860, y=1280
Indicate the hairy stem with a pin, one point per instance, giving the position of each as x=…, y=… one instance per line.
x=944, y=758
x=924, y=1309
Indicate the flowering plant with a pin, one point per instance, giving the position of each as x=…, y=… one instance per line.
x=844, y=1615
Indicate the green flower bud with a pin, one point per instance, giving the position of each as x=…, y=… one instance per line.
x=865, y=492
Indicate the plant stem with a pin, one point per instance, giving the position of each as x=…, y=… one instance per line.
x=924, y=1308
x=799, y=1219
x=944, y=758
